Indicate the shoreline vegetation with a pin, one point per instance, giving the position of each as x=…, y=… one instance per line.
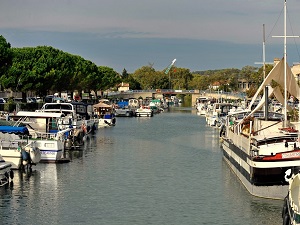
x=44, y=70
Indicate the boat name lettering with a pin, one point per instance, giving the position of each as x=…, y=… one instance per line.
x=291, y=155
x=47, y=153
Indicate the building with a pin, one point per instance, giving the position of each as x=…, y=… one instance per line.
x=123, y=87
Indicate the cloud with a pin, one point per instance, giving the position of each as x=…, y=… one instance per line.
x=132, y=33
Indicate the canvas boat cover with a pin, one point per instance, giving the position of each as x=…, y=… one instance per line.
x=13, y=130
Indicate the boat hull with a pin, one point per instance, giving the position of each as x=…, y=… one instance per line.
x=51, y=150
x=241, y=164
x=12, y=156
x=124, y=113
x=143, y=113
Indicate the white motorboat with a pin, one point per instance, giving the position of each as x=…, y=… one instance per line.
x=105, y=114
x=124, y=112
x=44, y=131
x=217, y=113
x=16, y=147
x=77, y=115
x=144, y=111
x=202, y=105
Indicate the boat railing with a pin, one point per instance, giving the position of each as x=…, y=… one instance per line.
x=241, y=140
x=10, y=144
x=60, y=135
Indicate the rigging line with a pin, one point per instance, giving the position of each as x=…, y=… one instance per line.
x=293, y=35
x=275, y=24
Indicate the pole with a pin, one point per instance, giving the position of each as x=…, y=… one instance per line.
x=285, y=68
x=285, y=94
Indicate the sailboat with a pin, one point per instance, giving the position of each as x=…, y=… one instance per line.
x=260, y=146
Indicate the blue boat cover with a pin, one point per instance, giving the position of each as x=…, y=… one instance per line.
x=13, y=130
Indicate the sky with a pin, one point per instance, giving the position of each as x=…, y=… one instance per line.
x=200, y=35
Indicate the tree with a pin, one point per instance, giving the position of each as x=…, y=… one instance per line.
x=199, y=82
x=110, y=78
x=180, y=78
x=145, y=76
x=5, y=55
x=125, y=74
x=133, y=83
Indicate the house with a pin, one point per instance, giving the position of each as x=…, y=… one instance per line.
x=244, y=85
x=123, y=87
x=215, y=85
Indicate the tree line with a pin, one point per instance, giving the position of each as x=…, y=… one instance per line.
x=44, y=70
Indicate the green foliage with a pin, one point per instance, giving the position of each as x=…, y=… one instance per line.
x=146, y=77
x=5, y=55
x=44, y=69
x=124, y=74
x=110, y=78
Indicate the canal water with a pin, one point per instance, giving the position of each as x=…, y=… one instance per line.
x=167, y=169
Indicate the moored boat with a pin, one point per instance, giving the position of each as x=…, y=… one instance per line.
x=124, y=112
x=44, y=131
x=144, y=111
x=260, y=146
x=217, y=113
x=202, y=105
x=291, y=204
x=105, y=114
x=17, y=149
x=260, y=150
x=76, y=114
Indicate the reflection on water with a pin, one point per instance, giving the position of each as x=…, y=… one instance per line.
x=167, y=169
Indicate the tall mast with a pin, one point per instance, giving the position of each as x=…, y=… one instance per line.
x=266, y=91
x=285, y=86
x=264, y=52
x=285, y=68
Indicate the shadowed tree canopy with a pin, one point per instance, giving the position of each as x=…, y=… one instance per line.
x=5, y=55
x=43, y=69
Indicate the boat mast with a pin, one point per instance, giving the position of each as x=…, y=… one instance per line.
x=285, y=68
x=264, y=54
x=285, y=88
x=266, y=91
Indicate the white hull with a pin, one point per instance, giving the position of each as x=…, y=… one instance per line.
x=12, y=153
x=51, y=150
x=242, y=169
x=143, y=112
x=13, y=157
